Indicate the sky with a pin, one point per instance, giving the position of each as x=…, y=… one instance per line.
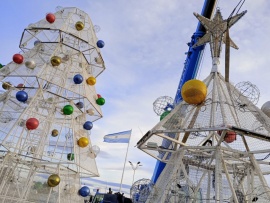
x=145, y=42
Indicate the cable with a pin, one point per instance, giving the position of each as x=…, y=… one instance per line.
x=266, y=157
x=230, y=16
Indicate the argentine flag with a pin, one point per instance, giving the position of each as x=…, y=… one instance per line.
x=121, y=137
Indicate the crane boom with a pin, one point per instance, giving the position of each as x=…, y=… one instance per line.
x=191, y=67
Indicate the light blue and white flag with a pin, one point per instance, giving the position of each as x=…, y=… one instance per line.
x=121, y=137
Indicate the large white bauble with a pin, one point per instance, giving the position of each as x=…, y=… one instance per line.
x=30, y=64
x=266, y=108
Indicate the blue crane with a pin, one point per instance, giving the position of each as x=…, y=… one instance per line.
x=191, y=67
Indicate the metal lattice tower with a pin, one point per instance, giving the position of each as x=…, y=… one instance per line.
x=29, y=155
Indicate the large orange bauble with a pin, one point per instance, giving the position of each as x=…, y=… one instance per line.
x=91, y=81
x=50, y=17
x=194, y=92
x=229, y=137
x=83, y=142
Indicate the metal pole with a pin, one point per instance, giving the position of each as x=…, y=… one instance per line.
x=124, y=168
x=134, y=168
x=133, y=176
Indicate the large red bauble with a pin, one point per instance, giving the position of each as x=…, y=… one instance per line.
x=50, y=17
x=32, y=123
x=17, y=58
x=21, y=86
x=229, y=137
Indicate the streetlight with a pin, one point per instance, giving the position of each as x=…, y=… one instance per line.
x=134, y=168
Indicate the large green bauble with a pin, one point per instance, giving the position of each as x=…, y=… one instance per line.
x=70, y=156
x=164, y=114
x=100, y=101
x=68, y=109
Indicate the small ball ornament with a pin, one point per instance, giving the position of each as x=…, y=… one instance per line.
x=31, y=64
x=91, y=81
x=20, y=86
x=88, y=125
x=78, y=79
x=55, y=132
x=83, y=142
x=194, y=92
x=65, y=58
x=50, y=17
x=229, y=137
x=21, y=96
x=80, y=105
x=17, y=58
x=164, y=114
x=70, y=156
x=53, y=180
x=68, y=110
x=32, y=123
x=6, y=85
x=98, y=60
x=91, y=112
x=79, y=26
x=37, y=42
x=56, y=60
x=266, y=108
x=84, y=191
x=100, y=101
x=100, y=44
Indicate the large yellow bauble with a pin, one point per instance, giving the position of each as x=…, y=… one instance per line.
x=6, y=85
x=56, y=61
x=194, y=92
x=79, y=25
x=55, y=133
x=91, y=81
x=83, y=142
x=53, y=180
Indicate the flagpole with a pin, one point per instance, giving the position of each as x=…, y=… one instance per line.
x=125, y=164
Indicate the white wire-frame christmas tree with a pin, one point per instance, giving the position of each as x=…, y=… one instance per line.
x=216, y=148
x=48, y=104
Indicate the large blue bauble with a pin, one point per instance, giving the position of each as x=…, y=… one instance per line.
x=80, y=105
x=88, y=125
x=100, y=44
x=37, y=42
x=78, y=79
x=21, y=96
x=84, y=191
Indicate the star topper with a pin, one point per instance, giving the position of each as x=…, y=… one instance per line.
x=215, y=30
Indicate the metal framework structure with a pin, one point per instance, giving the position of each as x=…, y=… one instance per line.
x=29, y=156
x=191, y=66
x=216, y=151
